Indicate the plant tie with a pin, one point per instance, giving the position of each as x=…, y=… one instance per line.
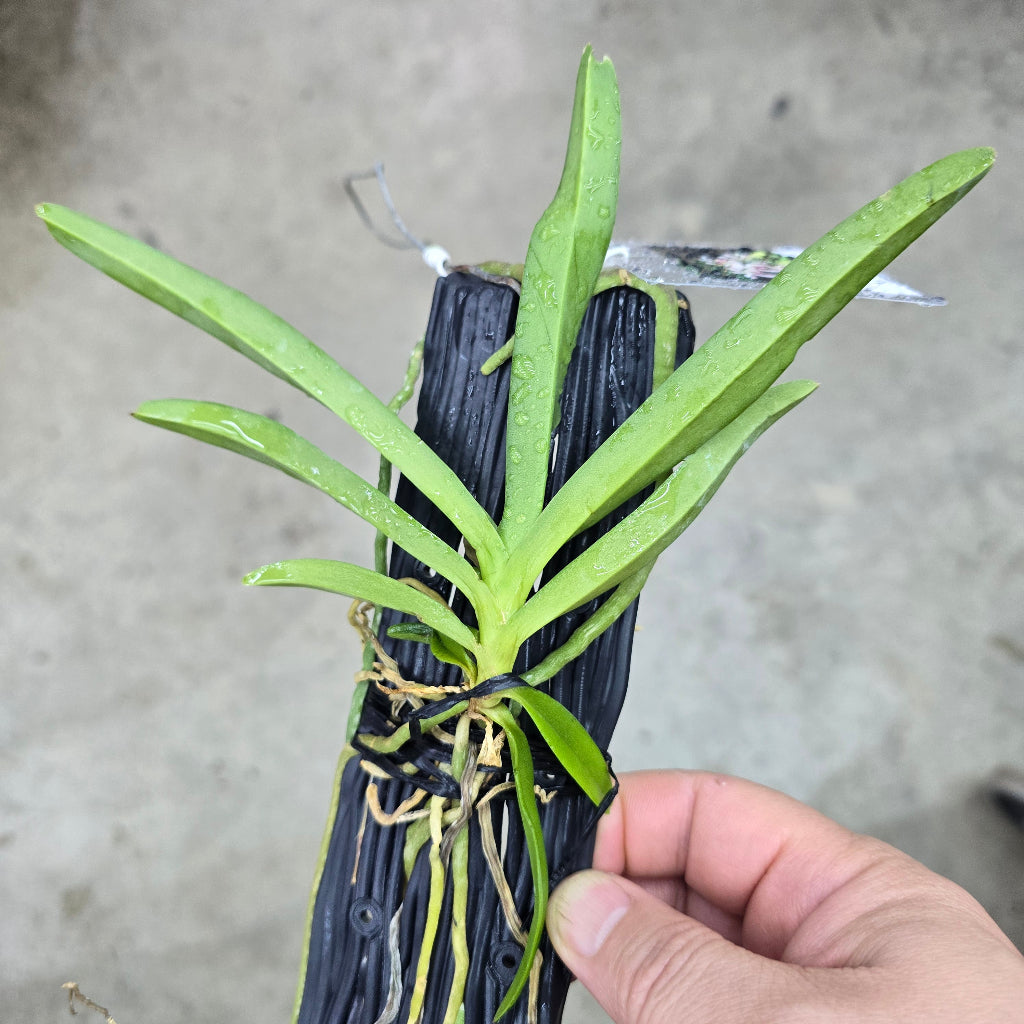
x=489, y=687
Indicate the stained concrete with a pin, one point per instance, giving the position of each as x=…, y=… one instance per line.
x=845, y=622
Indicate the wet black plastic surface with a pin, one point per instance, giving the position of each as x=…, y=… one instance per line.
x=461, y=415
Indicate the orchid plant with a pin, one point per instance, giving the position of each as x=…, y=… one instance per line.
x=682, y=441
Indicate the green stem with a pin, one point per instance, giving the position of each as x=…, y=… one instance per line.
x=433, y=911
x=416, y=835
x=389, y=744
x=666, y=317
x=402, y=395
x=459, y=873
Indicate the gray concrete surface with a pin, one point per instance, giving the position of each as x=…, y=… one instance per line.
x=845, y=622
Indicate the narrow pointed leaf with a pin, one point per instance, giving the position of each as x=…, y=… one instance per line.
x=522, y=772
x=742, y=359
x=588, y=631
x=639, y=538
x=263, y=440
x=578, y=754
x=441, y=647
x=564, y=260
x=367, y=585
x=269, y=341
x=445, y=649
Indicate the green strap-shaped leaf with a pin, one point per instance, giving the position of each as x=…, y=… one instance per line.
x=265, y=338
x=263, y=440
x=567, y=250
x=666, y=337
x=588, y=631
x=445, y=649
x=522, y=773
x=742, y=359
x=635, y=542
x=367, y=585
x=578, y=754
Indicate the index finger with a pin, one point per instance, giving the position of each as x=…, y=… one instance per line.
x=749, y=851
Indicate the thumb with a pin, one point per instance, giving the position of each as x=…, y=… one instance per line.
x=644, y=961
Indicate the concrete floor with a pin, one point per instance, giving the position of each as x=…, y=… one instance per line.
x=845, y=622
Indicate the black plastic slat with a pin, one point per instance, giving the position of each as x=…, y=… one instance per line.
x=461, y=415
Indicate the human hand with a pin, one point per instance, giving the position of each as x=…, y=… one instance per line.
x=738, y=905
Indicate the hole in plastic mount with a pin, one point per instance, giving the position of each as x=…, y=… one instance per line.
x=504, y=962
x=366, y=916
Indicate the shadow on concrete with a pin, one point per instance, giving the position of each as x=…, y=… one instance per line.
x=970, y=840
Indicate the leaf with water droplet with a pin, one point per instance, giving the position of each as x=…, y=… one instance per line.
x=273, y=444
x=522, y=367
x=367, y=585
x=266, y=339
x=642, y=535
x=705, y=394
x=564, y=260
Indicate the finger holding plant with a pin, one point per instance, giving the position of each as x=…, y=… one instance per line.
x=680, y=445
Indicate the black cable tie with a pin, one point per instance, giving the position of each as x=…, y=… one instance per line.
x=415, y=732
x=505, y=681
x=437, y=784
x=544, y=764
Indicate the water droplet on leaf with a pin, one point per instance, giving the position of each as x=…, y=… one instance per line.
x=523, y=368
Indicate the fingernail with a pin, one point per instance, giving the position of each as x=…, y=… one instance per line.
x=583, y=911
